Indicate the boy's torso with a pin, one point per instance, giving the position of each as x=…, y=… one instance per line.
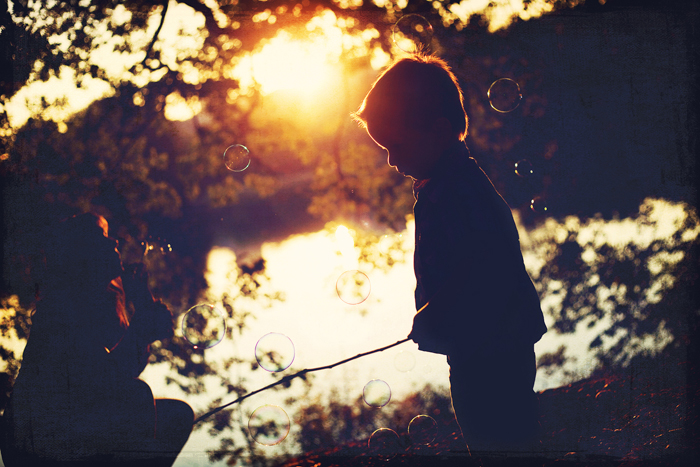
x=465, y=234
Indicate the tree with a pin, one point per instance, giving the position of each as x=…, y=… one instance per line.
x=636, y=289
x=329, y=425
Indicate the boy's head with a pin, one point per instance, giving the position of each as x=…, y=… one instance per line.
x=415, y=111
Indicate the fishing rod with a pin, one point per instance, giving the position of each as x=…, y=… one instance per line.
x=298, y=374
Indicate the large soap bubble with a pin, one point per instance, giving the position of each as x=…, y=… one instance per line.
x=504, y=95
x=274, y=352
x=269, y=425
x=384, y=443
x=376, y=393
x=237, y=158
x=353, y=287
x=422, y=429
x=204, y=326
x=413, y=34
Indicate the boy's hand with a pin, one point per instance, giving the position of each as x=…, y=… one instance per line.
x=152, y=320
x=135, y=283
x=424, y=335
x=162, y=322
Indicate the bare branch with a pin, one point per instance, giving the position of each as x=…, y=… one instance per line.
x=155, y=36
x=289, y=378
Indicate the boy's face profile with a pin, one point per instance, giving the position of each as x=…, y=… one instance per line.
x=104, y=257
x=412, y=150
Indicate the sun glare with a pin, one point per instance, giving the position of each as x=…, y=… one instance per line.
x=288, y=63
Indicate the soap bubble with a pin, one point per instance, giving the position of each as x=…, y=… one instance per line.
x=384, y=443
x=413, y=33
x=422, y=429
x=523, y=168
x=353, y=287
x=274, y=352
x=538, y=204
x=376, y=393
x=269, y=425
x=237, y=158
x=404, y=361
x=504, y=95
x=204, y=326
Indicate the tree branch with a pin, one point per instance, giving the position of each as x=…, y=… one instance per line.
x=166, y=3
x=209, y=22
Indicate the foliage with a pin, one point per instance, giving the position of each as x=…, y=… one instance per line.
x=634, y=417
x=633, y=282
x=39, y=41
x=329, y=422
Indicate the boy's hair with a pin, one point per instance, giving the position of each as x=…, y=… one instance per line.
x=420, y=87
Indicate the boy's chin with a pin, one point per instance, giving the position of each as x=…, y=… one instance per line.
x=412, y=175
x=404, y=173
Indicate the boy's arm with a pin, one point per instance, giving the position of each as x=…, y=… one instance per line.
x=469, y=243
x=151, y=321
x=468, y=308
x=131, y=353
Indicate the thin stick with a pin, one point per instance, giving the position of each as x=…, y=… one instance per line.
x=295, y=375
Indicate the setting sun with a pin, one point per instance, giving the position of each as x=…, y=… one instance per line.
x=288, y=63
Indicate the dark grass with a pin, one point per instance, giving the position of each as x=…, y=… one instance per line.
x=642, y=415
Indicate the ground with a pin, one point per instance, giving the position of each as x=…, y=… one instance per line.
x=640, y=415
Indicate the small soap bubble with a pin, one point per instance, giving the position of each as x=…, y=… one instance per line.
x=523, y=168
x=384, y=443
x=274, y=352
x=404, y=361
x=269, y=425
x=376, y=393
x=204, y=326
x=504, y=95
x=237, y=158
x=422, y=429
x=413, y=33
x=353, y=287
x=538, y=204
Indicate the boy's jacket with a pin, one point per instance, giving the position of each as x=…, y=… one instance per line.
x=473, y=292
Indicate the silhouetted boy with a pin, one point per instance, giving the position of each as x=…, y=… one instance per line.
x=475, y=301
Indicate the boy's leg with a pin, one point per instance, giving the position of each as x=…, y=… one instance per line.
x=173, y=424
x=493, y=399
x=127, y=423
x=174, y=420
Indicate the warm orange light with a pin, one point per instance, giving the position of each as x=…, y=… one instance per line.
x=288, y=63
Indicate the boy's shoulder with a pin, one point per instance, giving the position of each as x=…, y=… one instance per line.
x=460, y=177
x=465, y=193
